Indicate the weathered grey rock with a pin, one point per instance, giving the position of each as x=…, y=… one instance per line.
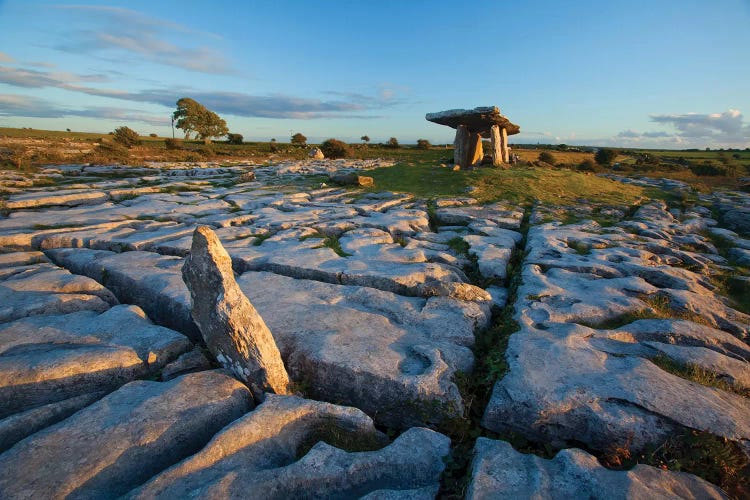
x=149, y=280
x=41, y=289
x=737, y=220
x=45, y=359
x=266, y=452
x=122, y=440
x=20, y=425
x=328, y=335
x=16, y=259
x=568, y=382
x=740, y=255
x=191, y=361
x=71, y=197
x=498, y=471
x=233, y=330
x=351, y=179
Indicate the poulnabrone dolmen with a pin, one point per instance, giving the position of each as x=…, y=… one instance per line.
x=471, y=126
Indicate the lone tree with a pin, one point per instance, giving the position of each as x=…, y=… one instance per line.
x=191, y=116
x=126, y=136
x=365, y=139
x=393, y=143
x=299, y=140
x=423, y=144
x=604, y=157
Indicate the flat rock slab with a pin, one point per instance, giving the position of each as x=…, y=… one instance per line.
x=327, y=333
x=498, y=471
x=392, y=356
x=45, y=359
x=51, y=198
x=149, y=280
x=479, y=119
x=119, y=442
x=266, y=451
x=40, y=289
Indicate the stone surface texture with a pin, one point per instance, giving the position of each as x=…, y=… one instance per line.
x=498, y=471
x=631, y=330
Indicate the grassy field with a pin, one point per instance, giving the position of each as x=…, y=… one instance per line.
x=427, y=173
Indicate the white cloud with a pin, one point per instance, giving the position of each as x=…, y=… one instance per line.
x=728, y=126
x=123, y=30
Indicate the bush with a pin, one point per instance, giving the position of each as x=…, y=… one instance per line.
x=708, y=170
x=127, y=137
x=393, y=143
x=547, y=157
x=234, y=138
x=333, y=148
x=423, y=144
x=605, y=157
x=170, y=143
x=153, y=135
x=588, y=165
x=299, y=140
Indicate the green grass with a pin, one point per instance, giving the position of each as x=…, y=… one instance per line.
x=518, y=185
x=698, y=375
x=333, y=243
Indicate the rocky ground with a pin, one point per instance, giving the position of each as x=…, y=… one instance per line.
x=629, y=333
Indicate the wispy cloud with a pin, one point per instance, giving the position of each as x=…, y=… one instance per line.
x=127, y=31
x=346, y=105
x=19, y=105
x=5, y=58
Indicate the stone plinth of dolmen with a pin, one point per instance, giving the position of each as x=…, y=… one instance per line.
x=471, y=126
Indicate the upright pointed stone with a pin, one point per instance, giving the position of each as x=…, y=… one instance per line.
x=476, y=151
x=233, y=330
x=496, y=142
x=504, y=144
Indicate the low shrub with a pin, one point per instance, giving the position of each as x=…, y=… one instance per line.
x=547, y=157
x=708, y=170
x=333, y=148
x=173, y=144
x=234, y=138
x=423, y=144
x=588, y=165
x=126, y=136
x=605, y=157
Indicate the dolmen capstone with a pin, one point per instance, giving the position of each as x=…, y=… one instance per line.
x=471, y=126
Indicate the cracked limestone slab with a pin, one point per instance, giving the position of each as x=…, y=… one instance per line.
x=147, y=279
x=40, y=289
x=498, y=471
x=334, y=329
x=68, y=197
x=288, y=447
x=44, y=359
x=122, y=440
x=392, y=356
x=571, y=383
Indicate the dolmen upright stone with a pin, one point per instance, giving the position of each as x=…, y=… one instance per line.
x=471, y=126
x=233, y=330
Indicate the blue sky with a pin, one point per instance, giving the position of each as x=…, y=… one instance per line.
x=657, y=73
